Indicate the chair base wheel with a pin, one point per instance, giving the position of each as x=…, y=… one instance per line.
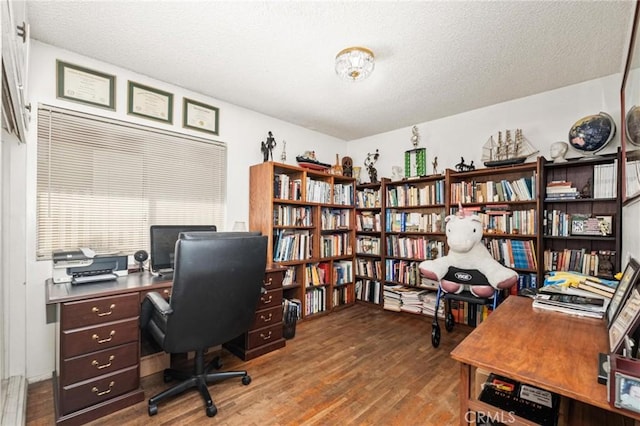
x=167, y=378
x=212, y=411
x=448, y=322
x=246, y=380
x=153, y=410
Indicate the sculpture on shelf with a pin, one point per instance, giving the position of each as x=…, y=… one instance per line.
x=463, y=167
x=397, y=173
x=558, y=151
x=347, y=166
x=369, y=162
x=415, y=137
x=268, y=146
x=435, y=165
x=283, y=156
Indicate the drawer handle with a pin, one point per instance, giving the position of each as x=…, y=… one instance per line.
x=267, y=301
x=103, y=314
x=97, y=392
x=96, y=337
x=167, y=292
x=96, y=364
x=265, y=319
x=268, y=282
x=265, y=337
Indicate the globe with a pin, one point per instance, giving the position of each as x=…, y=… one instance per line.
x=592, y=133
x=632, y=122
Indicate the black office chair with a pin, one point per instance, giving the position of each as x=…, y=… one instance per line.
x=216, y=287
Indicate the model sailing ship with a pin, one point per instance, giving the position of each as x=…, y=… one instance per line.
x=508, y=151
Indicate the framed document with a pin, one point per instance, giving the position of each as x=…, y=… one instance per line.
x=147, y=102
x=79, y=84
x=629, y=276
x=199, y=116
x=627, y=320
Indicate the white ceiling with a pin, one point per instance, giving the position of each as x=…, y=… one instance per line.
x=433, y=58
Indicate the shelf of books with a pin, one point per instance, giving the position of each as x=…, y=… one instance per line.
x=413, y=231
x=308, y=217
x=506, y=200
x=370, y=241
x=581, y=215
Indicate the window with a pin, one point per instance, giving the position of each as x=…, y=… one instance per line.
x=102, y=182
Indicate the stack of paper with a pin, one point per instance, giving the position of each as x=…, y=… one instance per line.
x=571, y=301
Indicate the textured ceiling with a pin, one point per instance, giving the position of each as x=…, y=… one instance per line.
x=433, y=59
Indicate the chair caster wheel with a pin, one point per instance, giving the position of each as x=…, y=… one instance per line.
x=166, y=377
x=217, y=363
x=153, y=410
x=448, y=322
x=246, y=380
x=212, y=411
x=435, y=337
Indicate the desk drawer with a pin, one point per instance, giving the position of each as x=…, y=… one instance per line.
x=263, y=336
x=270, y=299
x=273, y=280
x=267, y=317
x=99, y=310
x=103, y=388
x=89, y=339
x=98, y=363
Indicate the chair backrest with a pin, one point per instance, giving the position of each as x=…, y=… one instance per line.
x=216, y=288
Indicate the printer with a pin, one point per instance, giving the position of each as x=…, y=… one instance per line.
x=83, y=266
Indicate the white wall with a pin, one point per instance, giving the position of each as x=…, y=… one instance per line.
x=241, y=129
x=544, y=118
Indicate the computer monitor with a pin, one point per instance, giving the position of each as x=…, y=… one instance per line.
x=163, y=244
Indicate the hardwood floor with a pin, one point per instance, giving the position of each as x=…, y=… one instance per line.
x=360, y=365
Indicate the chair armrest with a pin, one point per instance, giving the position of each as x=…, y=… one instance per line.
x=153, y=301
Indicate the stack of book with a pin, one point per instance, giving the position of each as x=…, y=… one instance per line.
x=561, y=190
x=599, y=286
x=526, y=401
x=571, y=301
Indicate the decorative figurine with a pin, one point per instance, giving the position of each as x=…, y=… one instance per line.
x=462, y=167
x=415, y=138
x=558, y=151
x=283, y=156
x=347, y=166
x=268, y=146
x=369, y=162
x=396, y=173
x=356, y=174
x=336, y=169
x=435, y=165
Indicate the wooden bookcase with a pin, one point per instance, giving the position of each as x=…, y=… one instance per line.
x=370, y=249
x=507, y=200
x=309, y=219
x=568, y=243
x=414, y=227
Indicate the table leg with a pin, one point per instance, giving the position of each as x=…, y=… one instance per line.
x=465, y=393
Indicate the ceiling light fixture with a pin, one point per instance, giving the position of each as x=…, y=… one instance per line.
x=354, y=63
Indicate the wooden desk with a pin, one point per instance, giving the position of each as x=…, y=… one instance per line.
x=98, y=362
x=553, y=351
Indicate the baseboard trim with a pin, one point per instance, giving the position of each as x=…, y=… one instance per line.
x=14, y=401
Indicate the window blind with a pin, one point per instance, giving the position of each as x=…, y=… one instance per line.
x=102, y=182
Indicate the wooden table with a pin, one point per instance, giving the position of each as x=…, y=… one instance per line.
x=551, y=350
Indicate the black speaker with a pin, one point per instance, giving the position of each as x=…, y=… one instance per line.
x=140, y=256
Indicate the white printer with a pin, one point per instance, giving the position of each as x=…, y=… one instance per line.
x=85, y=266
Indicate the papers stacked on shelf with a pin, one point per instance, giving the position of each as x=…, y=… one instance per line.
x=571, y=301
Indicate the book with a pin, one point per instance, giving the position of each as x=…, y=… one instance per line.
x=526, y=401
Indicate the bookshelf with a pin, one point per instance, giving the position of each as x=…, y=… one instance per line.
x=370, y=199
x=413, y=231
x=581, y=215
x=506, y=199
x=309, y=219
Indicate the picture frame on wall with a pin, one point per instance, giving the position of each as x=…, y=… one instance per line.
x=151, y=103
x=199, y=116
x=79, y=84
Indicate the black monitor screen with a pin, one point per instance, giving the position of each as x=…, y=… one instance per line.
x=163, y=244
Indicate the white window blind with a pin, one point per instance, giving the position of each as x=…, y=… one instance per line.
x=102, y=182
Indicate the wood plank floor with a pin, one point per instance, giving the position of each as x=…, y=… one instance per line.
x=360, y=366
